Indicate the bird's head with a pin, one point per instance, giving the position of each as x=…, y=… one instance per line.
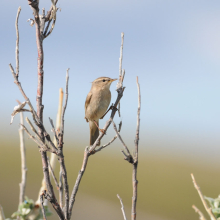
x=103, y=82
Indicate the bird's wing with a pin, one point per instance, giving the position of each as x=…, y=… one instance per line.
x=88, y=99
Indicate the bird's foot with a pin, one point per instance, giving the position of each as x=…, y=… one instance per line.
x=102, y=130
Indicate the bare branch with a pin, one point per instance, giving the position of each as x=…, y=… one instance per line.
x=46, y=29
x=121, y=74
x=79, y=177
x=208, y=209
x=51, y=29
x=128, y=157
x=53, y=158
x=112, y=140
x=33, y=129
x=135, y=164
x=17, y=42
x=41, y=142
x=66, y=100
x=201, y=216
x=43, y=147
x=120, y=62
x=23, y=162
x=61, y=190
x=54, y=131
x=38, y=117
x=61, y=157
x=122, y=207
x=52, y=17
x=48, y=16
x=138, y=122
x=53, y=175
x=42, y=206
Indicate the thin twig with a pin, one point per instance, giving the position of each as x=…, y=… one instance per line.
x=50, y=11
x=51, y=29
x=112, y=140
x=128, y=157
x=61, y=157
x=138, y=122
x=17, y=42
x=53, y=175
x=42, y=206
x=54, y=131
x=46, y=29
x=79, y=177
x=121, y=75
x=23, y=162
x=52, y=17
x=66, y=100
x=201, y=216
x=122, y=207
x=33, y=129
x=120, y=61
x=61, y=189
x=43, y=146
x=208, y=209
x=135, y=164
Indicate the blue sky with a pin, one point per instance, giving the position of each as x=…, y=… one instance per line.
x=173, y=46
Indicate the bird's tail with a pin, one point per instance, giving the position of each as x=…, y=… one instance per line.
x=94, y=132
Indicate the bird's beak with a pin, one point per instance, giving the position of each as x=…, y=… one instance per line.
x=113, y=80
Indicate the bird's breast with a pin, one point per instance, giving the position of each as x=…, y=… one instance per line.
x=98, y=105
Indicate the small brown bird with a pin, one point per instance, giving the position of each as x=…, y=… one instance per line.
x=97, y=102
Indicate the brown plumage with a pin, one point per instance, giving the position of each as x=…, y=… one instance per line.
x=96, y=104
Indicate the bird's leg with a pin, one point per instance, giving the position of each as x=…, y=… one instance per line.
x=101, y=130
x=110, y=108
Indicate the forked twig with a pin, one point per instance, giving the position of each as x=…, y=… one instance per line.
x=122, y=207
x=112, y=140
x=33, y=129
x=54, y=131
x=53, y=174
x=208, y=209
x=201, y=216
x=42, y=206
x=128, y=156
x=43, y=146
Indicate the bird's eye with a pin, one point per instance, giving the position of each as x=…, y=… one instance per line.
x=103, y=80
